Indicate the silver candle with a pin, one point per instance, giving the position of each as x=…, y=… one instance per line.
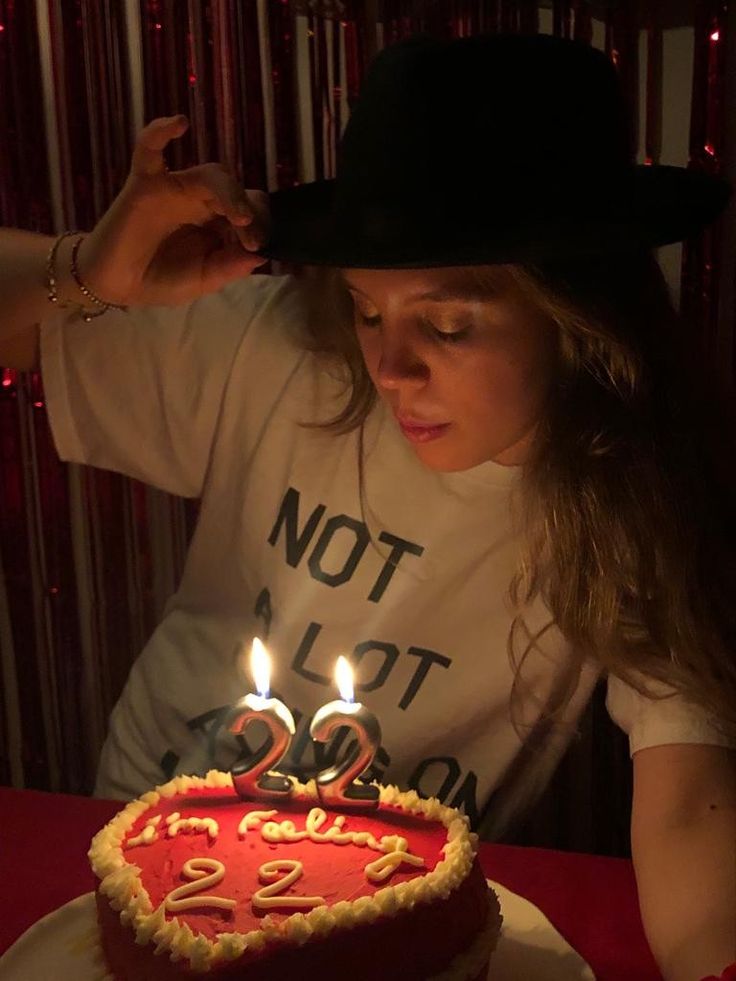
x=335, y=785
x=256, y=778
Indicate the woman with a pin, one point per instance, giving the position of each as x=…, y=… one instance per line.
x=458, y=448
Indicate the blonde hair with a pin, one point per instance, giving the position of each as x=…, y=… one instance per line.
x=628, y=515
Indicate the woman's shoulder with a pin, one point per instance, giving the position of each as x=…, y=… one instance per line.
x=258, y=292
x=264, y=306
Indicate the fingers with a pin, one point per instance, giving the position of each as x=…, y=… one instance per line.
x=227, y=263
x=148, y=153
x=222, y=195
x=207, y=191
x=260, y=229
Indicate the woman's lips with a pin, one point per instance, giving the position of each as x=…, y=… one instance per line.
x=421, y=432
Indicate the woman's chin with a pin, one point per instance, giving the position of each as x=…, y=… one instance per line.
x=448, y=459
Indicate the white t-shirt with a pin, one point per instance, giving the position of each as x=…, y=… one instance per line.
x=410, y=579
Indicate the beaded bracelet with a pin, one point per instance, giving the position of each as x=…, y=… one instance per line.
x=52, y=292
x=83, y=288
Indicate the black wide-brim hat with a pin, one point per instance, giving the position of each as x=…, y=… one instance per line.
x=488, y=149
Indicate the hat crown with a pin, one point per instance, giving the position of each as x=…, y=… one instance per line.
x=489, y=111
x=488, y=149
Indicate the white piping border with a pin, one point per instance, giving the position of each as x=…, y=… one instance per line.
x=121, y=883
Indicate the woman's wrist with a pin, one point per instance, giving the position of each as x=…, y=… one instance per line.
x=65, y=284
x=83, y=284
x=60, y=287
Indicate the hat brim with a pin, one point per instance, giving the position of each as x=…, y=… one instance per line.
x=651, y=206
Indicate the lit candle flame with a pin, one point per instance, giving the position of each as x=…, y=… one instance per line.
x=260, y=668
x=344, y=679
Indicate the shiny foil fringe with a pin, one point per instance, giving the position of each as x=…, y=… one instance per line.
x=701, y=266
x=89, y=558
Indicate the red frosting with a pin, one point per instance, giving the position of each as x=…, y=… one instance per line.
x=413, y=945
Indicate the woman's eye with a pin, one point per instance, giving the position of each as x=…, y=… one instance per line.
x=450, y=335
x=363, y=318
x=367, y=321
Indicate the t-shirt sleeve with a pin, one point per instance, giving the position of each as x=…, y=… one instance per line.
x=139, y=392
x=658, y=722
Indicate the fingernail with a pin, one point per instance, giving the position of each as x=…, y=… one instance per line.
x=251, y=242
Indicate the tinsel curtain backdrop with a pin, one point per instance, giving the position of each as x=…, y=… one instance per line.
x=88, y=558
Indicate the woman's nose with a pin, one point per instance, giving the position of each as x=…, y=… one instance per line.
x=399, y=365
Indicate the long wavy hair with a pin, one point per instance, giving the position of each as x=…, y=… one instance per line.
x=629, y=494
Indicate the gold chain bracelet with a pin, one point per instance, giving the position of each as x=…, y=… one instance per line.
x=51, y=284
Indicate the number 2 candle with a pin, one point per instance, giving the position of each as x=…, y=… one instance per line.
x=254, y=778
x=335, y=785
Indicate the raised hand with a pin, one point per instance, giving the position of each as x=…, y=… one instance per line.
x=171, y=236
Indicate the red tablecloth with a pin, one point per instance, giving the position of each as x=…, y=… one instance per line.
x=590, y=900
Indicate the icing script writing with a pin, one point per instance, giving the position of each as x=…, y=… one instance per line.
x=280, y=874
x=285, y=831
x=175, y=824
x=147, y=836
x=381, y=868
x=192, y=824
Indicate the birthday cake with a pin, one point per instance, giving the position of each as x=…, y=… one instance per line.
x=194, y=880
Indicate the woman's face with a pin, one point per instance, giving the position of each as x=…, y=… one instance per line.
x=464, y=369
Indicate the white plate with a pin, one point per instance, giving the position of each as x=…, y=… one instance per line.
x=529, y=946
x=62, y=946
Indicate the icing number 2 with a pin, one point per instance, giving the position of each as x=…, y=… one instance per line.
x=205, y=872
x=268, y=897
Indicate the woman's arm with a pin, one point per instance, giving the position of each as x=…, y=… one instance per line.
x=167, y=238
x=683, y=838
x=23, y=295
